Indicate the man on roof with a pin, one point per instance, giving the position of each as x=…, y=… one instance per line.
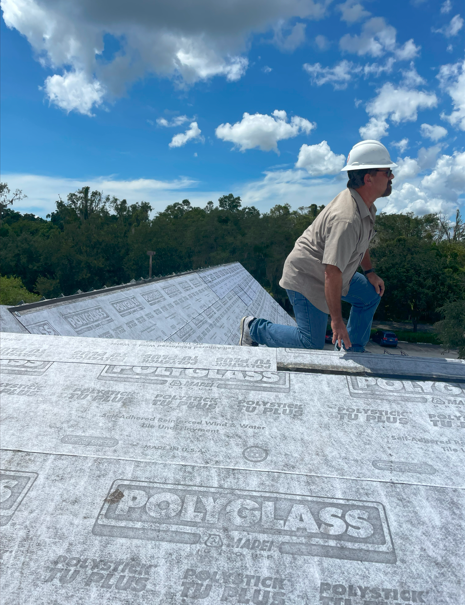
x=322, y=268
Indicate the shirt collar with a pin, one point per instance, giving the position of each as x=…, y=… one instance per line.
x=362, y=207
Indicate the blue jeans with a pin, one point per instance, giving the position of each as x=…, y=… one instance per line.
x=311, y=322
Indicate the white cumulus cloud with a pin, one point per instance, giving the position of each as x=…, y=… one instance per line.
x=352, y=11
x=339, y=76
x=451, y=29
x=401, y=145
x=74, y=92
x=412, y=198
x=176, y=121
x=407, y=169
x=375, y=129
x=440, y=190
x=446, y=7
x=263, y=131
x=428, y=156
x=400, y=104
x=186, y=41
x=452, y=79
x=433, y=132
x=319, y=160
x=322, y=42
x=408, y=51
x=376, y=39
x=345, y=72
x=192, y=133
x=411, y=78
x=377, y=69
x=288, y=39
x=448, y=177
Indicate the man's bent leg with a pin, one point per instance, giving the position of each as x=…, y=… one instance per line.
x=364, y=300
x=309, y=333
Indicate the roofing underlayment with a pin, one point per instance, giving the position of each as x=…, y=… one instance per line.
x=139, y=472
x=9, y=323
x=202, y=306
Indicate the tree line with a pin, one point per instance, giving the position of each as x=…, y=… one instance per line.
x=91, y=240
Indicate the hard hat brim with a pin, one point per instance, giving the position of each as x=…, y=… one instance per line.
x=368, y=166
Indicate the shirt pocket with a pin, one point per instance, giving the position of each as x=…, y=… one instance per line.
x=362, y=245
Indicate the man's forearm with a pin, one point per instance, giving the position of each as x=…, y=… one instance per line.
x=366, y=262
x=374, y=279
x=333, y=293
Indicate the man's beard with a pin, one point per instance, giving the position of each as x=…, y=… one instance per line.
x=388, y=190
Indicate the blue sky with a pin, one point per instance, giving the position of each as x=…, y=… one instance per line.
x=147, y=100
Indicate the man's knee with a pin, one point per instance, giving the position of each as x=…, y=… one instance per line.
x=372, y=300
x=308, y=342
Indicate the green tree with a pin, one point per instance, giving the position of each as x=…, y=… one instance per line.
x=12, y=292
x=229, y=202
x=451, y=329
x=389, y=227
x=7, y=198
x=177, y=210
x=418, y=279
x=48, y=287
x=86, y=203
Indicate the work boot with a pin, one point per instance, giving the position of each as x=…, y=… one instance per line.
x=245, y=339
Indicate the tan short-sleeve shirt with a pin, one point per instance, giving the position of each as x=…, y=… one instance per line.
x=339, y=236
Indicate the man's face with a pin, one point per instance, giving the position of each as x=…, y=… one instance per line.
x=382, y=182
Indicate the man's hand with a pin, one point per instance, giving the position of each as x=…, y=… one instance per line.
x=376, y=282
x=340, y=333
x=333, y=290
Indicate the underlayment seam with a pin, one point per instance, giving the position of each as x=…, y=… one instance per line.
x=289, y=370
x=232, y=468
x=369, y=374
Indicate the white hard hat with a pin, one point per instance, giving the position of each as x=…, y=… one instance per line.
x=368, y=154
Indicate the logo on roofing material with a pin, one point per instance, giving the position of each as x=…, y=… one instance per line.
x=14, y=485
x=255, y=380
x=401, y=390
x=153, y=297
x=88, y=319
x=43, y=327
x=171, y=290
x=255, y=453
x=299, y=525
x=127, y=306
x=27, y=367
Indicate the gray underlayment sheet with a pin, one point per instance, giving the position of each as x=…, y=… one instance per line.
x=173, y=474
x=204, y=306
x=9, y=323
